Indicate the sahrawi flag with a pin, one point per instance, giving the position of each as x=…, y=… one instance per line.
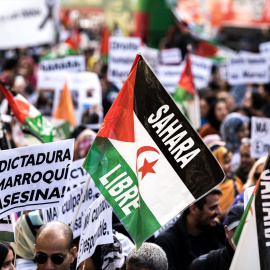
x=186, y=97
x=28, y=115
x=252, y=236
x=147, y=160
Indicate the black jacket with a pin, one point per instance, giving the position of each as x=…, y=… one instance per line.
x=177, y=245
x=224, y=261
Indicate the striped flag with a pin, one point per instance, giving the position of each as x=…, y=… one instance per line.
x=147, y=160
x=7, y=229
x=186, y=96
x=28, y=115
x=252, y=236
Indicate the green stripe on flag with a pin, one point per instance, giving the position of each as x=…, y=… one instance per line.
x=181, y=95
x=241, y=224
x=7, y=236
x=103, y=159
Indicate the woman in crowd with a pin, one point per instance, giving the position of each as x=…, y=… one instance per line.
x=233, y=129
x=6, y=257
x=216, y=114
x=232, y=185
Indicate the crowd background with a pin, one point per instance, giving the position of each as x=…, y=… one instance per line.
x=225, y=111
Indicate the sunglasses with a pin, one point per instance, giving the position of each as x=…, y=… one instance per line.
x=42, y=258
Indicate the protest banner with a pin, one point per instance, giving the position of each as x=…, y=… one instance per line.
x=78, y=175
x=75, y=63
x=172, y=56
x=96, y=228
x=252, y=234
x=201, y=70
x=151, y=56
x=65, y=213
x=85, y=90
x=122, y=52
x=260, y=133
x=7, y=228
x=147, y=160
x=248, y=68
x=28, y=23
x=34, y=177
x=169, y=76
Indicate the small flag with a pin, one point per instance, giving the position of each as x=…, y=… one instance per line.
x=252, y=234
x=186, y=97
x=65, y=108
x=147, y=160
x=28, y=115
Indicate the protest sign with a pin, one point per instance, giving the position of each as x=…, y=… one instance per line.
x=85, y=90
x=144, y=140
x=7, y=228
x=171, y=56
x=248, y=68
x=34, y=177
x=265, y=47
x=260, y=134
x=65, y=213
x=201, y=70
x=169, y=76
x=28, y=23
x=78, y=175
x=75, y=63
x=122, y=51
x=151, y=56
x=96, y=228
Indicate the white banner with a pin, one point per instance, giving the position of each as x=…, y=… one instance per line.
x=260, y=134
x=122, y=52
x=65, y=213
x=85, y=90
x=169, y=76
x=171, y=56
x=201, y=70
x=26, y=23
x=75, y=63
x=78, y=175
x=34, y=177
x=248, y=68
x=96, y=228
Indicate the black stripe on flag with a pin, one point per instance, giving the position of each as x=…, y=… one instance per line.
x=262, y=210
x=202, y=172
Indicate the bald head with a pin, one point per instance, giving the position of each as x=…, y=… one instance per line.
x=58, y=228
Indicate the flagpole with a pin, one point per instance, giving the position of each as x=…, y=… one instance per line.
x=81, y=199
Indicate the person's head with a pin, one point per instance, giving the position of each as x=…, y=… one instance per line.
x=223, y=156
x=6, y=256
x=246, y=161
x=255, y=172
x=233, y=129
x=83, y=143
x=233, y=219
x=148, y=257
x=53, y=248
x=204, y=211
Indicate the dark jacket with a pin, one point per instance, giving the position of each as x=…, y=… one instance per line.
x=177, y=245
x=224, y=261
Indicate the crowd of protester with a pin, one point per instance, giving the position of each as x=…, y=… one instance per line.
x=204, y=226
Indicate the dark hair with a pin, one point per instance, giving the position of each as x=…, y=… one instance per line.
x=211, y=114
x=4, y=249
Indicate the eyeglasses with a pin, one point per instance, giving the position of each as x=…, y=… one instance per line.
x=42, y=258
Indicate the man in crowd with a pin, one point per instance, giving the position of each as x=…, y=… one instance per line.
x=222, y=258
x=195, y=233
x=53, y=248
x=149, y=257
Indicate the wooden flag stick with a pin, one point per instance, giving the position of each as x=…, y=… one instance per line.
x=17, y=239
x=79, y=205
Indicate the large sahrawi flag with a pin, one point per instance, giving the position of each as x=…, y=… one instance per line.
x=147, y=160
x=253, y=248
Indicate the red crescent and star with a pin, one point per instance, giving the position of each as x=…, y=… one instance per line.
x=147, y=166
